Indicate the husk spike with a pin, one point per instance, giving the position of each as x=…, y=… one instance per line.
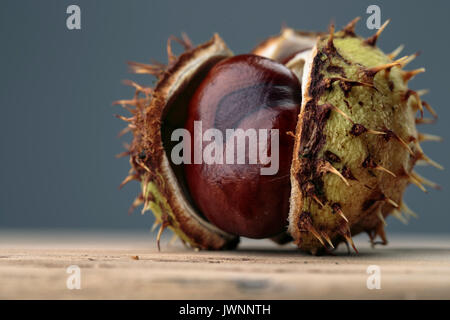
x=372, y=41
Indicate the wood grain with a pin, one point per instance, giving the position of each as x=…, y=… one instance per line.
x=128, y=266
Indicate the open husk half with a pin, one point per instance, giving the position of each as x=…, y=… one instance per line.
x=156, y=114
x=356, y=141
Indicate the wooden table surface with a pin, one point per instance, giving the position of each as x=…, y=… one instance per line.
x=121, y=265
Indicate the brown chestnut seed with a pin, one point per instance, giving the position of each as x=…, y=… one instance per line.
x=244, y=92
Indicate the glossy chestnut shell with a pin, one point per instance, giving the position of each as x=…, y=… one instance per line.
x=245, y=91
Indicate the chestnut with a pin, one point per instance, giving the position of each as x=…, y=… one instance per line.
x=245, y=92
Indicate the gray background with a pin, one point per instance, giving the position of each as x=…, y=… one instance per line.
x=57, y=132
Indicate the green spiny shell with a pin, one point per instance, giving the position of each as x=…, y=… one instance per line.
x=356, y=142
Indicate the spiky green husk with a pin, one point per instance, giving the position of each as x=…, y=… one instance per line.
x=356, y=142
